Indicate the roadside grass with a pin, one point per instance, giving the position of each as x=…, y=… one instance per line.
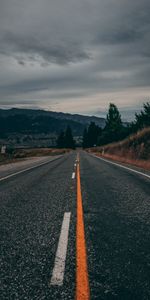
x=22, y=154
x=133, y=150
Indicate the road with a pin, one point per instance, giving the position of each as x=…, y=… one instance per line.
x=75, y=226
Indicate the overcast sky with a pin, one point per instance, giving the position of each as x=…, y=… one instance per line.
x=75, y=55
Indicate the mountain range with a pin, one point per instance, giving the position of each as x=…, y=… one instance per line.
x=30, y=121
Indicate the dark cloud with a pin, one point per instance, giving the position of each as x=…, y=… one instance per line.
x=20, y=62
x=34, y=49
x=74, y=49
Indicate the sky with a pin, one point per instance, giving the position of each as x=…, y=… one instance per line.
x=75, y=56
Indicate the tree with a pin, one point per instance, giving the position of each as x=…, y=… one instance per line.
x=114, y=129
x=65, y=139
x=61, y=140
x=93, y=133
x=85, y=139
x=143, y=119
x=113, y=119
x=69, y=141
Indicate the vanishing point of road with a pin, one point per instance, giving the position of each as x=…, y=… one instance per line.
x=75, y=227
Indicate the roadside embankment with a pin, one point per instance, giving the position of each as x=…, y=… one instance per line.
x=133, y=150
x=23, y=154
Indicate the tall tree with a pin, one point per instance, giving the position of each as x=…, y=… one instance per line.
x=113, y=119
x=113, y=129
x=85, y=139
x=143, y=119
x=69, y=141
x=93, y=133
x=61, y=140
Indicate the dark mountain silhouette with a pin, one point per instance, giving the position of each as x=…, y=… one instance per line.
x=58, y=115
x=40, y=121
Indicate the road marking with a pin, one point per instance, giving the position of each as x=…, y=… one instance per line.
x=30, y=168
x=116, y=164
x=73, y=175
x=60, y=259
x=82, y=280
x=77, y=159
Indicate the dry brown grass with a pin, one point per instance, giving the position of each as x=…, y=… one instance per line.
x=21, y=154
x=144, y=164
x=133, y=150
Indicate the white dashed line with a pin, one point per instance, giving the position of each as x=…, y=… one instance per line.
x=73, y=175
x=60, y=259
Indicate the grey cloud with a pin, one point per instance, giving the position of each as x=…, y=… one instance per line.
x=121, y=36
x=73, y=48
x=20, y=62
x=34, y=49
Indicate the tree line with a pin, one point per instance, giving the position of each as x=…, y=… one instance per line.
x=65, y=139
x=115, y=129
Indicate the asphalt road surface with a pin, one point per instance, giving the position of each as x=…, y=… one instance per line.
x=75, y=226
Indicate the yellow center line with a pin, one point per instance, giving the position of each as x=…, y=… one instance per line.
x=82, y=280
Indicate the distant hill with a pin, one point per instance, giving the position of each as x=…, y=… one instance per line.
x=57, y=115
x=31, y=121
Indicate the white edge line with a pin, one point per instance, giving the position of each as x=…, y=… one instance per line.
x=30, y=168
x=60, y=258
x=73, y=175
x=138, y=172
